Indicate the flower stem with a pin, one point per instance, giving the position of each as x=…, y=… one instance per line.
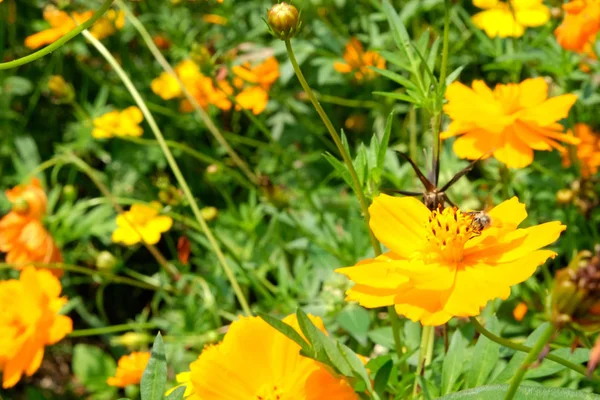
x=111, y=329
x=338, y=142
x=426, y=340
x=174, y=168
x=52, y=47
x=519, y=347
x=242, y=165
x=531, y=357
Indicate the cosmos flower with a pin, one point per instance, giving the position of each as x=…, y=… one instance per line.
x=520, y=311
x=255, y=361
x=588, y=150
x=29, y=321
x=440, y=264
x=511, y=121
x=509, y=19
x=580, y=25
x=254, y=83
x=130, y=369
x=358, y=61
x=110, y=23
x=22, y=234
x=141, y=223
x=119, y=123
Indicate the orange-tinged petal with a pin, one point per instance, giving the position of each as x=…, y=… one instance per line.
x=550, y=111
x=533, y=91
x=370, y=297
x=475, y=144
x=422, y=305
x=342, y=67
x=382, y=275
x=514, y=152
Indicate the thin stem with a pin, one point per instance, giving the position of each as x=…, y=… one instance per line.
x=340, y=101
x=174, y=168
x=519, y=347
x=426, y=335
x=89, y=171
x=111, y=329
x=338, y=142
x=396, y=332
x=86, y=271
x=531, y=357
x=52, y=47
x=242, y=165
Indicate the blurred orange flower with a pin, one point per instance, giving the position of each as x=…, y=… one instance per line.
x=358, y=61
x=130, y=369
x=520, y=311
x=29, y=321
x=440, y=265
x=119, y=123
x=254, y=83
x=588, y=150
x=511, y=121
x=580, y=25
x=22, y=234
x=62, y=23
x=270, y=368
x=509, y=19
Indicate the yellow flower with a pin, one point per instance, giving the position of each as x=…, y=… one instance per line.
x=130, y=369
x=214, y=19
x=509, y=19
x=141, y=223
x=440, y=265
x=511, y=121
x=359, y=61
x=254, y=83
x=29, y=321
x=166, y=86
x=588, y=150
x=255, y=361
x=119, y=123
x=185, y=380
x=108, y=24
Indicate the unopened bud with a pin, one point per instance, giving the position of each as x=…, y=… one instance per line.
x=209, y=213
x=60, y=89
x=131, y=340
x=105, y=261
x=70, y=192
x=564, y=196
x=212, y=169
x=284, y=20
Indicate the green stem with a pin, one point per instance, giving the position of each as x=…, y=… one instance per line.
x=52, y=47
x=242, y=165
x=174, y=168
x=338, y=142
x=530, y=359
x=426, y=338
x=396, y=332
x=111, y=329
x=340, y=101
x=519, y=347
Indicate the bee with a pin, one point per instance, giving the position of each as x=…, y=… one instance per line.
x=480, y=221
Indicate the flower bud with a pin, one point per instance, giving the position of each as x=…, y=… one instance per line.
x=284, y=21
x=131, y=340
x=20, y=206
x=209, y=213
x=564, y=196
x=70, y=192
x=61, y=90
x=576, y=295
x=105, y=261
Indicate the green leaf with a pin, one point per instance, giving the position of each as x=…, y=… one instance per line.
x=360, y=163
x=17, y=86
x=453, y=75
x=177, y=394
x=385, y=141
x=340, y=168
x=382, y=377
x=453, y=364
x=549, y=367
x=405, y=82
x=286, y=329
x=397, y=96
x=485, y=356
x=92, y=366
x=396, y=60
x=497, y=392
x=154, y=378
x=358, y=367
x=356, y=321
x=400, y=34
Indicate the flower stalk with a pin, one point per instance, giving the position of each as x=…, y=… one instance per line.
x=174, y=168
x=111, y=329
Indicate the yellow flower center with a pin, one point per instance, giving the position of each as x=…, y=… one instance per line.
x=449, y=230
x=270, y=392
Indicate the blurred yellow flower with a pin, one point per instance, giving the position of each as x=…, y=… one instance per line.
x=130, y=369
x=510, y=122
x=108, y=24
x=254, y=83
x=119, y=123
x=141, y=224
x=441, y=265
x=60, y=89
x=214, y=19
x=509, y=19
x=588, y=150
x=29, y=321
x=255, y=361
x=358, y=61
x=580, y=25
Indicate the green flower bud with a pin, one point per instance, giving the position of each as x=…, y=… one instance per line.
x=70, y=192
x=284, y=20
x=105, y=261
x=20, y=206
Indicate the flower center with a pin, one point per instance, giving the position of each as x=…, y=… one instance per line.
x=270, y=392
x=449, y=230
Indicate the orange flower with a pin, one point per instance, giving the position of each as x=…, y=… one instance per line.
x=214, y=19
x=580, y=24
x=440, y=264
x=29, y=321
x=22, y=234
x=255, y=361
x=255, y=83
x=588, y=151
x=509, y=19
x=130, y=369
x=60, y=22
x=359, y=61
x=520, y=311
x=511, y=121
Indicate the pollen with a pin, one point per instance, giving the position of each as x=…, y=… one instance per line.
x=449, y=230
x=270, y=392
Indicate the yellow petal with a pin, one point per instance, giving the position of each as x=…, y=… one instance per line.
x=508, y=214
x=550, y=111
x=513, y=152
x=532, y=92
